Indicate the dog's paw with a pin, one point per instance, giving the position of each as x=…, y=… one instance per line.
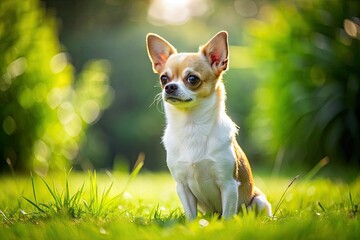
x=261, y=205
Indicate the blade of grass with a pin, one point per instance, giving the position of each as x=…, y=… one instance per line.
x=105, y=195
x=35, y=205
x=354, y=207
x=33, y=186
x=9, y=163
x=5, y=217
x=351, y=202
x=321, y=164
x=67, y=190
x=321, y=206
x=53, y=193
x=283, y=195
x=76, y=197
x=93, y=192
x=137, y=167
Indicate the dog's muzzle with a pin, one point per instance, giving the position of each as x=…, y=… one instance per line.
x=173, y=95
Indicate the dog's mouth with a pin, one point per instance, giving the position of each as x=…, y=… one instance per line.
x=175, y=99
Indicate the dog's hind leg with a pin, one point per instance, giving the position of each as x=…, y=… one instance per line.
x=260, y=204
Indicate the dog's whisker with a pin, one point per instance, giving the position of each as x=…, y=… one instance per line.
x=158, y=102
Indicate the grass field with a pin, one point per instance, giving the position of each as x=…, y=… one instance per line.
x=116, y=206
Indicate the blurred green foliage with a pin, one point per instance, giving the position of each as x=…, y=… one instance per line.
x=308, y=63
x=135, y=121
x=44, y=111
x=292, y=86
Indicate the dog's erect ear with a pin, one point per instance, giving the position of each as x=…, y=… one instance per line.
x=217, y=52
x=159, y=51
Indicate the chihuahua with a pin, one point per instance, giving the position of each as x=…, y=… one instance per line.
x=211, y=171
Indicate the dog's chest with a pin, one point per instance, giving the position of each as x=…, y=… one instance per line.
x=200, y=158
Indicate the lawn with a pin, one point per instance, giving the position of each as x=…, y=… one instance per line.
x=145, y=206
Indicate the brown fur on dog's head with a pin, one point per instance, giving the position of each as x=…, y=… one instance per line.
x=198, y=71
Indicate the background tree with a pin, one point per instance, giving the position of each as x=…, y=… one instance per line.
x=43, y=111
x=308, y=63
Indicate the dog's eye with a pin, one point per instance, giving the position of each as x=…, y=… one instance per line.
x=164, y=79
x=193, y=80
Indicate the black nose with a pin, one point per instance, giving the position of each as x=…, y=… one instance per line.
x=171, y=88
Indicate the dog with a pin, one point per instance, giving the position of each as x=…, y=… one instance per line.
x=211, y=171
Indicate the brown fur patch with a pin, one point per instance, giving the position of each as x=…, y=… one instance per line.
x=243, y=174
x=199, y=66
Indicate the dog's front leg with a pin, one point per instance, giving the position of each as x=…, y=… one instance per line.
x=229, y=198
x=188, y=200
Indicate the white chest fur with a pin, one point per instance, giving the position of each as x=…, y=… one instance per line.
x=199, y=151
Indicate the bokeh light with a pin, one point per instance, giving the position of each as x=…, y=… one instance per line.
x=175, y=12
x=352, y=28
x=9, y=125
x=58, y=62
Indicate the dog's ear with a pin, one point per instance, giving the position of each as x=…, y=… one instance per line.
x=159, y=51
x=217, y=52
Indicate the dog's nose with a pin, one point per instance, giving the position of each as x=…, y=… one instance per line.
x=171, y=88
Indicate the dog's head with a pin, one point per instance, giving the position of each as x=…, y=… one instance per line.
x=188, y=77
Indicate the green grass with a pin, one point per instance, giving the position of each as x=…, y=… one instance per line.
x=107, y=205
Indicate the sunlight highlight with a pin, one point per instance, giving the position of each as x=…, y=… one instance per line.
x=175, y=12
x=70, y=120
x=42, y=151
x=55, y=97
x=17, y=67
x=352, y=28
x=90, y=111
x=246, y=8
x=58, y=62
x=70, y=150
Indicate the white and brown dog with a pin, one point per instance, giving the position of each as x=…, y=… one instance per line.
x=211, y=171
